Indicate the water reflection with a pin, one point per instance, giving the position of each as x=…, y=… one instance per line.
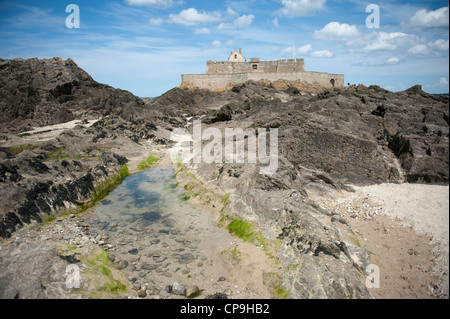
x=141, y=200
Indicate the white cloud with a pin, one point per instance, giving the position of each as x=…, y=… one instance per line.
x=386, y=41
x=393, y=60
x=165, y=3
x=442, y=85
x=304, y=49
x=440, y=44
x=443, y=81
x=156, y=21
x=192, y=17
x=432, y=19
x=242, y=21
x=203, y=31
x=379, y=63
x=275, y=21
x=232, y=13
x=217, y=43
x=335, y=31
x=419, y=49
x=322, y=54
x=300, y=8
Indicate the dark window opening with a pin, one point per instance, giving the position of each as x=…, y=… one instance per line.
x=235, y=56
x=255, y=66
x=332, y=82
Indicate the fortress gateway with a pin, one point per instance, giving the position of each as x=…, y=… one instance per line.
x=225, y=74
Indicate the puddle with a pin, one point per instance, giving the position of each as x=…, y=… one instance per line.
x=157, y=235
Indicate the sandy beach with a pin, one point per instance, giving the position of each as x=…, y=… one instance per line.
x=406, y=229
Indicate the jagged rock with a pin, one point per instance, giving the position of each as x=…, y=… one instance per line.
x=51, y=91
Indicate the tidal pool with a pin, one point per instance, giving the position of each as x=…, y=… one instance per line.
x=159, y=234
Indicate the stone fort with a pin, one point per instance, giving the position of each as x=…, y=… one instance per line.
x=225, y=74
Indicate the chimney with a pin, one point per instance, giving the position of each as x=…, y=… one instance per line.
x=240, y=50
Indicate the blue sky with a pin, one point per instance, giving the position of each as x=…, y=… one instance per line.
x=144, y=46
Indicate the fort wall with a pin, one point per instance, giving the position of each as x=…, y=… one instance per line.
x=224, y=74
x=222, y=81
x=255, y=66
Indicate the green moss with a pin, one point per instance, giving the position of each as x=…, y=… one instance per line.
x=198, y=294
x=225, y=198
x=236, y=254
x=106, y=187
x=54, y=155
x=48, y=219
x=241, y=228
x=15, y=150
x=71, y=247
x=281, y=293
x=101, y=264
x=224, y=218
x=149, y=162
x=178, y=161
x=275, y=284
x=354, y=239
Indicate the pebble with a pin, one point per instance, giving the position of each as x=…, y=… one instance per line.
x=192, y=291
x=133, y=251
x=132, y=279
x=178, y=289
x=136, y=286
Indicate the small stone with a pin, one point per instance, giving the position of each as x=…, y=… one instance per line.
x=148, y=266
x=178, y=289
x=133, y=251
x=142, y=293
x=84, y=240
x=136, y=286
x=185, y=258
x=192, y=291
x=153, y=290
x=222, y=279
x=338, y=218
x=132, y=279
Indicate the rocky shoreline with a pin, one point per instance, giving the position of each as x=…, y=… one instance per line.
x=328, y=141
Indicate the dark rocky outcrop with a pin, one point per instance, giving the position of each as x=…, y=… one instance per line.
x=358, y=134
x=37, y=92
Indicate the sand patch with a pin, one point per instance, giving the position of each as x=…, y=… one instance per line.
x=406, y=229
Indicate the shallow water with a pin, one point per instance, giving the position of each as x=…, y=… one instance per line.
x=157, y=231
